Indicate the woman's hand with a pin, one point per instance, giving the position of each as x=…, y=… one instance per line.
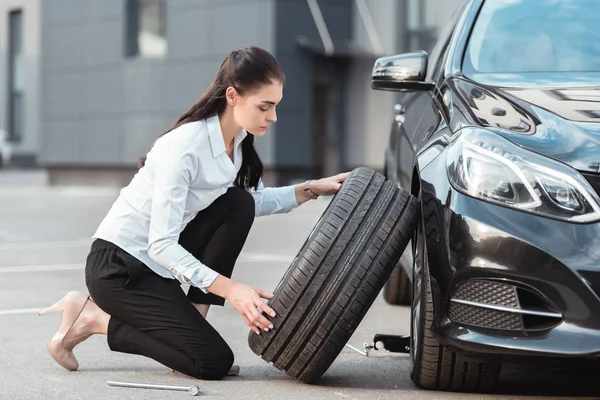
x=247, y=301
x=328, y=186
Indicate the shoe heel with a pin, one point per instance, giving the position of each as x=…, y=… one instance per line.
x=71, y=305
x=58, y=306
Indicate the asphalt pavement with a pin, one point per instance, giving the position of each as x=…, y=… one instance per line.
x=44, y=238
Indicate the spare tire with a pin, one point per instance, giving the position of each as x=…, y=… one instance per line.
x=337, y=275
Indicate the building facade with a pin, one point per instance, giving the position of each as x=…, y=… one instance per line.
x=107, y=77
x=20, y=108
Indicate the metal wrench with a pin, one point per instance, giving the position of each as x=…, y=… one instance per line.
x=193, y=390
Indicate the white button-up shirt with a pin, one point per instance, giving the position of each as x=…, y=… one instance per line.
x=185, y=171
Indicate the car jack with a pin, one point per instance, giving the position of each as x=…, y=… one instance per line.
x=392, y=343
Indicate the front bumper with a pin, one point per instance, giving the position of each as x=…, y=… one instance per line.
x=469, y=240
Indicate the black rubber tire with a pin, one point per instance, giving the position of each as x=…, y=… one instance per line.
x=398, y=287
x=337, y=274
x=436, y=367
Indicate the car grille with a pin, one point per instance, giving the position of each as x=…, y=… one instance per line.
x=491, y=304
x=483, y=317
x=488, y=292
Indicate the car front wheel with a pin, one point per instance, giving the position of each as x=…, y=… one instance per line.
x=434, y=366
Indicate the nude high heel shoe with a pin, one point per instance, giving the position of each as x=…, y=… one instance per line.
x=71, y=305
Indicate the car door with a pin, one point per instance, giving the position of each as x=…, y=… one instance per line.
x=418, y=119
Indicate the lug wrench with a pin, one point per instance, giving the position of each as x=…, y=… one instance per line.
x=193, y=390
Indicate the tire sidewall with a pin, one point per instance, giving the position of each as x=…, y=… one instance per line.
x=418, y=295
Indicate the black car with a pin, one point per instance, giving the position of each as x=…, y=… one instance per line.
x=498, y=135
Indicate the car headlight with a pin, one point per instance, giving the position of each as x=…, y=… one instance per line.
x=489, y=167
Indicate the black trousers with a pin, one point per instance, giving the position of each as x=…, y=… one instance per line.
x=151, y=315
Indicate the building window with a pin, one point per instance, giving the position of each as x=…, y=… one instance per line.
x=16, y=76
x=146, y=28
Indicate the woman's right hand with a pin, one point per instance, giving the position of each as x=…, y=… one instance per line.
x=247, y=301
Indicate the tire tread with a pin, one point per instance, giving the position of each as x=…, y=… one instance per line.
x=352, y=251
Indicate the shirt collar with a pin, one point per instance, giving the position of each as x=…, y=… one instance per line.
x=217, y=143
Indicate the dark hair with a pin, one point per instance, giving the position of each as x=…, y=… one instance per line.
x=246, y=70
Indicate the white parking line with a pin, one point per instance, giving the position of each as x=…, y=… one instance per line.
x=249, y=257
x=244, y=257
x=258, y=257
x=41, y=268
x=43, y=245
x=18, y=311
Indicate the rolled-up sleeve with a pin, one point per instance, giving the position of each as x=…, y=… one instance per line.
x=177, y=169
x=273, y=200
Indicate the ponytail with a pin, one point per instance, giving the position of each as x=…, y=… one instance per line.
x=246, y=70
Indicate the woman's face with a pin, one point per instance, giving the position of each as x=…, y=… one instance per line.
x=255, y=111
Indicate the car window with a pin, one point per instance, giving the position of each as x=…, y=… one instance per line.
x=512, y=36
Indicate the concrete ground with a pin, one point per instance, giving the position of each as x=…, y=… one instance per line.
x=44, y=239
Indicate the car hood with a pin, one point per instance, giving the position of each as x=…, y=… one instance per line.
x=558, y=121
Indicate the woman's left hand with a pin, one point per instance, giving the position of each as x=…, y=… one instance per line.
x=328, y=186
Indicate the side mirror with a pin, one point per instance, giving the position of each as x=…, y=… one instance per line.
x=402, y=72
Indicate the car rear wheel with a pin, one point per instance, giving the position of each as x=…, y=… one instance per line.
x=397, y=288
x=337, y=274
x=434, y=366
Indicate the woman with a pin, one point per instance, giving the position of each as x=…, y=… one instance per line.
x=184, y=218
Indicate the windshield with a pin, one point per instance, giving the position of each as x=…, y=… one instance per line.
x=512, y=36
